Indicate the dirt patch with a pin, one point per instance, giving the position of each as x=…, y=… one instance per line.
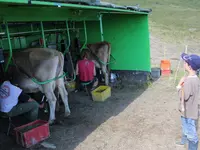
x=139, y=119
x=134, y=118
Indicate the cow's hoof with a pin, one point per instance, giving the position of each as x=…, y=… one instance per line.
x=56, y=122
x=51, y=122
x=67, y=114
x=59, y=122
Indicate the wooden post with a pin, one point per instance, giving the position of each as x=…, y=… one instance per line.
x=186, y=51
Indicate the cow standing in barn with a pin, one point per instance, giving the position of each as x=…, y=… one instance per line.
x=100, y=54
x=43, y=65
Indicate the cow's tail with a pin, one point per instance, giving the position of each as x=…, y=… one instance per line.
x=61, y=64
x=109, y=51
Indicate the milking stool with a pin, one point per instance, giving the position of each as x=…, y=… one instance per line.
x=87, y=85
x=10, y=124
x=2, y=77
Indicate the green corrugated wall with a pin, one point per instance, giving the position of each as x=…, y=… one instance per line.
x=129, y=37
x=127, y=33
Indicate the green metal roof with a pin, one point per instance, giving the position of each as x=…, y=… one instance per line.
x=72, y=6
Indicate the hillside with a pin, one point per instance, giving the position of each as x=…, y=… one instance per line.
x=174, y=21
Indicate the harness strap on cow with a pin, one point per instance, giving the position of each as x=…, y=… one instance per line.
x=48, y=81
x=86, y=83
x=111, y=62
x=35, y=80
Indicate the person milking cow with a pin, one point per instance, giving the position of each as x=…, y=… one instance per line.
x=13, y=101
x=85, y=72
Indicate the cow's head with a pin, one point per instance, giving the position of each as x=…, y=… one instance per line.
x=93, y=47
x=89, y=46
x=85, y=54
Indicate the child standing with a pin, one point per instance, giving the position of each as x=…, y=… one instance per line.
x=189, y=91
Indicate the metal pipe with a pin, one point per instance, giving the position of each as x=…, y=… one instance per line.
x=85, y=32
x=73, y=27
x=19, y=39
x=1, y=42
x=43, y=36
x=57, y=39
x=101, y=27
x=20, y=33
x=28, y=32
x=68, y=36
x=10, y=47
x=20, y=43
x=49, y=38
x=31, y=27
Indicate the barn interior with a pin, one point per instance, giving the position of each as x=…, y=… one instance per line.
x=23, y=23
x=70, y=26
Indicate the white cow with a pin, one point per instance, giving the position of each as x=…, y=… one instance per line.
x=42, y=64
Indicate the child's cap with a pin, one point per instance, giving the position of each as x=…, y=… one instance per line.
x=192, y=60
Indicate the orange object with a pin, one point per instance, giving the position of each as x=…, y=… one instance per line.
x=165, y=65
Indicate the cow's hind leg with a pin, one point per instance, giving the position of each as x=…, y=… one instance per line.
x=64, y=96
x=49, y=92
x=105, y=72
x=58, y=100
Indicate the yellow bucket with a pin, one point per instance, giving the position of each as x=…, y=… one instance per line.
x=71, y=85
x=101, y=93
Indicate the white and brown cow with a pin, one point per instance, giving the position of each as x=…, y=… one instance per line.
x=100, y=54
x=42, y=64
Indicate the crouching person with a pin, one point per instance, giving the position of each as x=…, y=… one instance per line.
x=85, y=72
x=14, y=102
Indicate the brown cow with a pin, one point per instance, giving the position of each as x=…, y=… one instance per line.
x=100, y=54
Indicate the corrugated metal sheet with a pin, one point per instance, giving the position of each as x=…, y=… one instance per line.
x=82, y=4
x=101, y=4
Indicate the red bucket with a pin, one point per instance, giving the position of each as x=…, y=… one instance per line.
x=165, y=72
x=32, y=133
